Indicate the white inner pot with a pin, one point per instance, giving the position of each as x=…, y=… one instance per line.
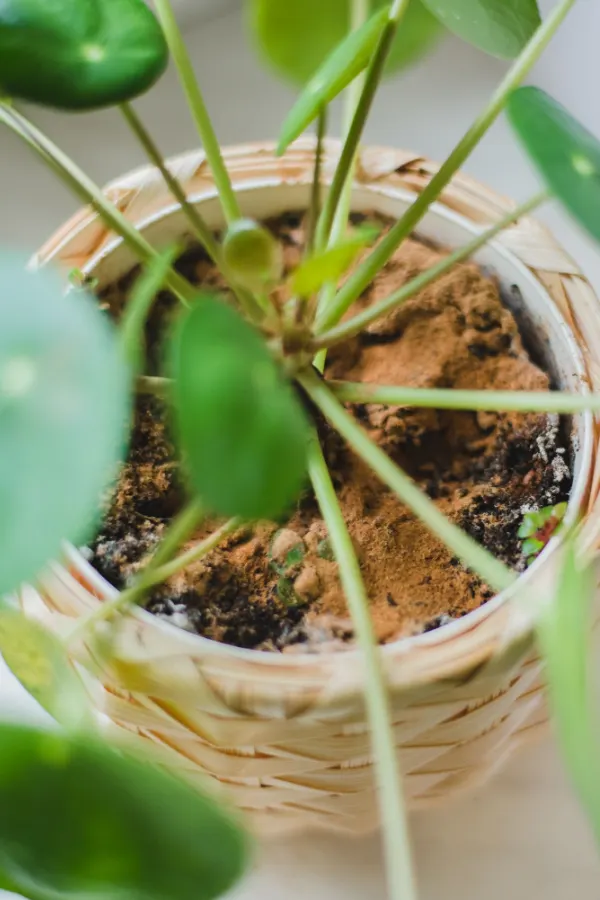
x=535, y=311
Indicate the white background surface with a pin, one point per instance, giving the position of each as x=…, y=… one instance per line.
x=523, y=836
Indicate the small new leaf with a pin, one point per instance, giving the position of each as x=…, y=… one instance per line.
x=499, y=27
x=63, y=414
x=566, y=154
x=538, y=527
x=79, y=56
x=252, y=254
x=121, y=827
x=346, y=62
x=330, y=264
x=242, y=428
x=139, y=304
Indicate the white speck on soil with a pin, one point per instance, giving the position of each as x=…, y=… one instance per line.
x=529, y=508
x=560, y=469
x=177, y=615
x=547, y=440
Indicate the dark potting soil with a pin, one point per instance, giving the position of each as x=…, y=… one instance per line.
x=277, y=587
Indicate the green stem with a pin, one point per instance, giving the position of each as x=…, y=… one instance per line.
x=491, y=570
x=168, y=570
x=351, y=144
x=84, y=188
x=135, y=315
x=365, y=273
x=360, y=12
x=407, y=291
x=315, y=194
x=159, y=569
x=198, y=109
x=202, y=232
x=449, y=398
x=400, y=877
x=180, y=529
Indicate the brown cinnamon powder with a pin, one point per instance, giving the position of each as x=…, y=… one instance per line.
x=278, y=588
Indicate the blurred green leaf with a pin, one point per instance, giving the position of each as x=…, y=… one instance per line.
x=499, y=27
x=78, y=820
x=39, y=661
x=252, y=254
x=566, y=154
x=331, y=264
x=63, y=414
x=346, y=61
x=297, y=36
x=242, y=428
x=564, y=634
x=79, y=56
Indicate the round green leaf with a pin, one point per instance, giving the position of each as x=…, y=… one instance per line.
x=499, y=27
x=79, y=55
x=63, y=411
x=297, y=36
x=567, y=155
x=78, y=820
x=252, y=254
x=347, y=61
x=39, y=661
x=242, y=428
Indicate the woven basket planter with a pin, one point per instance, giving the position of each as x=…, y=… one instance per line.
x=284, y=736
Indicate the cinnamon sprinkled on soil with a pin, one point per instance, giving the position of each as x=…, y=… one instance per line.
x=278, y=588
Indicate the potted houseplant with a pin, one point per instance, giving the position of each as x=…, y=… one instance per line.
x=286, y=733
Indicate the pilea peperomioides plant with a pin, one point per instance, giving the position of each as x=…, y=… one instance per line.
x=243, y=375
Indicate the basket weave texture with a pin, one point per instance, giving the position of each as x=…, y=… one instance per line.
x=285, y=737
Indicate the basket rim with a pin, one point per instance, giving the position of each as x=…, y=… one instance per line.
x=402, y=646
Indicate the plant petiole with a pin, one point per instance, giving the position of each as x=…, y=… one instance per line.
x=450, y=398
x=359, y=15
x=395, y=832
x=327, y=336
x=166, y=16
x=135, y=315
x=365, y=273
x=315, y=194
x=84, y=188
x=201, y=231
x=363, y=108
x=472, y=554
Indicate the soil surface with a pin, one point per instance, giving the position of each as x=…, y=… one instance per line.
x=277, y=588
